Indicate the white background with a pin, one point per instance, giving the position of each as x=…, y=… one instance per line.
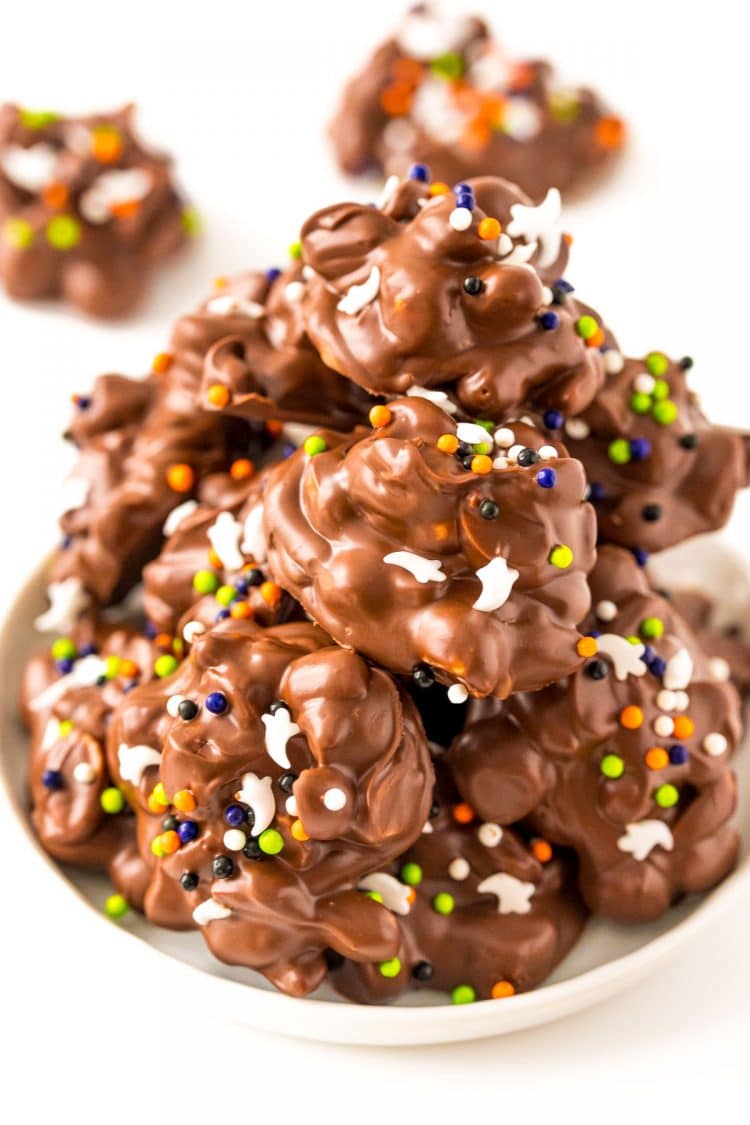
x=239, y=92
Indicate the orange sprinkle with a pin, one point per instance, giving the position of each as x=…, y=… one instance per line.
x=683, y=726
x=396, y=99
x=476, y=135
x=447, y=443
x=55, y=195
x=128, y=669
x=379, y=416
x=587, y=646
x=241, y=610
x=155, y=805
x=161, y=363
x=184, y=801
x=274, y=428
x=163, y=640
x=596, y=340
x=220, y=282
x=521, y=76
x=170, y=842
x=502, y=989
x=298, y=831
x=489, y=229
x=213, y=559
x=542, y=851
x=218, y=395
x=180, y=477
x=411, y=896
x=408, y=70
x=463, y=813
x=567, y=238
x=481, y=463
x=126, y=209
x=439, y=188
x=442, y=530
x=657, y=758
x=106, y=144
x=241, y=469
x=631, y=717
x=270, y=592
x=492, y=110
x=610, y=132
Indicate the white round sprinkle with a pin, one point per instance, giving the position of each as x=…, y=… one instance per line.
x=681, y=700
x=500, y=463
x=294, y=291
x=577, y=428
x=234, y=839
x=490, y=834
x=85, y=773
x=514, y=451
x=308, y=273
x=715, y=744
x=666, y=700
x=719, y=668
x=606, y=610
x=459, y=869
x=457, y=693
x=471, y=433
x=644, y=383
x=663, y=726
x=547, y=452
x=504, y=437
x=334, y=799
x=547, y=295
x=460, y=218
x=613, y=361
x=173, y=703
x=192, y=630
x=291, y=805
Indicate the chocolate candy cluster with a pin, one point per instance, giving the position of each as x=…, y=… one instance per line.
x=358, y=669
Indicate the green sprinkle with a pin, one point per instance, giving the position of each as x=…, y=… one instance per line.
x=374, y=895
x=112, y=666
x=112, y=800
x=63, y=649
x=64, y=727
x=485, y=424
x=482, y=447
x=665, y=413
x=652, y=627
x=661, y=390
x=295, y=250
x=314, y=445
x=205, y=582
x=165, y=665
x=619, y=451
x=561, y=556
x=564, y=106
x=63, y=232
x=411, y=873
x=271, y=842
x=37, y=118
x=390, y=968
x=116, y=906
x=657, y=363
x=443, y=903
x=448, y=66
x=666, y=796
x=225, y=595
x=463, y=994
x=632, y=639
x=640, y=402
x=612, y=766
x=191, y=222
x=18, y=233
x=586, y=327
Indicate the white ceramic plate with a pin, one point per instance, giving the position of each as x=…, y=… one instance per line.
x=607, y=960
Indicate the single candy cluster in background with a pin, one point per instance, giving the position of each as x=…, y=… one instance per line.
x=87, y=210
x=378, y=715
x=443, y=92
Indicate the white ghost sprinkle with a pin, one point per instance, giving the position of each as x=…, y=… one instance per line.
x=541, y=224
x=358, y=297
x=258, y=794
x=396, y=895
x=626, y=658
x=513, y=896
x=68, y=600
x=641, y=838
x=210, y=911
x=224, y=536
x=253, y=540
x=178, y=516
x=497, y=580
x=424, y=570
x=279, y=729
x=134, y=760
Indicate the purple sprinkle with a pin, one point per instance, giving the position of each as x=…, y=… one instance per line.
x=546, y=478
x=64, y=666
x=553, y=419
x=657, y=667
x=216, y=702
x=549, y=320
x=640, y=555
x=640, y=449
x=187, y=831
x=272, y=274
x=678, y=755
x=222, y=615
x=52, y=779
x=564, y=285
x=420, y=172
x=596, y=492
x=234, y=815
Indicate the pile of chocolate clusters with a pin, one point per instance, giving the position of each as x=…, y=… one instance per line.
x=357, y=668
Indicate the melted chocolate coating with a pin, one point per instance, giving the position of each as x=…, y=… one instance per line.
x=656, y=479
x=332, y=519
x=726, y=645
x=446, y=94
x=642, y=795
x=170, y=598
x=357, y=768
x=68, y=769
x=88, y=210
x=514, y=931
x=250, y=343
x=420, y=326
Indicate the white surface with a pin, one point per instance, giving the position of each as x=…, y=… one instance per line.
x=239, y=91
